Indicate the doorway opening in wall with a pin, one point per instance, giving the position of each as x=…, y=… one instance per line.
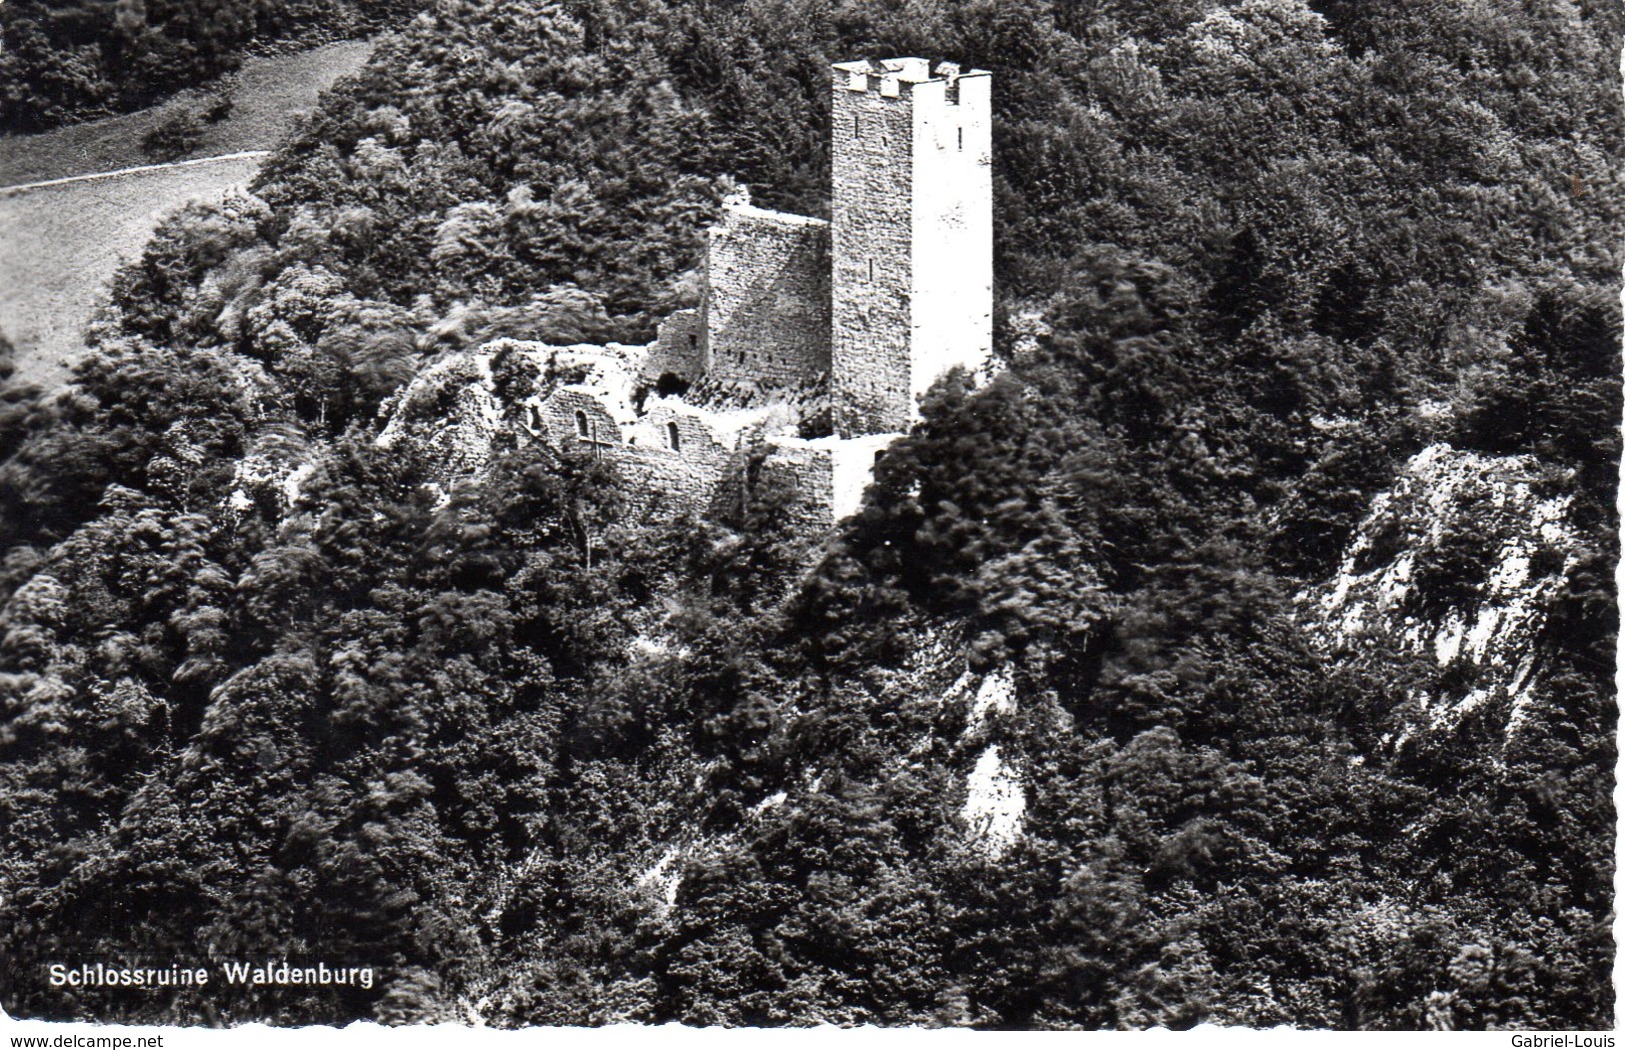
x=670, y=384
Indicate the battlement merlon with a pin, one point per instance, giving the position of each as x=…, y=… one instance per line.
x=905, y=77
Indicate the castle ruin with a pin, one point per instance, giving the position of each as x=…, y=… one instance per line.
x=813, y=340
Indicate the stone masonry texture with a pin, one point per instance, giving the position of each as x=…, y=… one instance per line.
x=911, y=236
x=678, y=349
x=871, y=168
x=767, y=303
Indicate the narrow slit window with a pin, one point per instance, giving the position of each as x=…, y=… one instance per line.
x=581, y=423
x=857, y=127
x=961, y=137
x=871, y=269
x=673, y=439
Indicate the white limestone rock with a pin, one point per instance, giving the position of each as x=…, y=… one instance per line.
x=1505, y=546
x=995, y=804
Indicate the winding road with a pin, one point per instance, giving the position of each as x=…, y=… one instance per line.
x=252, y=154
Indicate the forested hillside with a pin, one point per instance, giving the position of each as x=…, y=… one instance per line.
x=1053, y=733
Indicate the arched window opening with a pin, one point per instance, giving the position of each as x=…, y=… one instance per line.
x=673, y=438
x=581, y=424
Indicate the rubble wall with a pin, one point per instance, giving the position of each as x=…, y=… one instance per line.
x=679, y=348
x=675, y=459
x=558, y=419
x=809, y=470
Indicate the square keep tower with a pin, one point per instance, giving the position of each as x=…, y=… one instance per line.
x=911, y=236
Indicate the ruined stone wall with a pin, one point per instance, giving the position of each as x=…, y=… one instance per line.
x=767, y=308
x=871, y=171
x=704, y=473
x=677, y=458
x=679, y=348
x=572, y=419
x=831, y=473
x=662, y=483
x=808, y=469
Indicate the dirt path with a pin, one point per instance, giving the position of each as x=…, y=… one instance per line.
x=253, y=154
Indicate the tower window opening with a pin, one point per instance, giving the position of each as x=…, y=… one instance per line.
x=581, y=424
x=961, y=137
x=673, y=439
x=693, y=341
x=857, y=127
x=871, y=269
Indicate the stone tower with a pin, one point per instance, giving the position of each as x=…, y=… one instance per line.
x=911, y=236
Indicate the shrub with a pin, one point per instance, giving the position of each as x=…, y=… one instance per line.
x=175, y=137
x=218, y=107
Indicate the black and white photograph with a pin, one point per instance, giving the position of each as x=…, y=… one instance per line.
x=1012, y=515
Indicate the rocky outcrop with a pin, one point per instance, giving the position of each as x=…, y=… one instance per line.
x=995, y=803
x=1456, y=564
x=993, y=813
